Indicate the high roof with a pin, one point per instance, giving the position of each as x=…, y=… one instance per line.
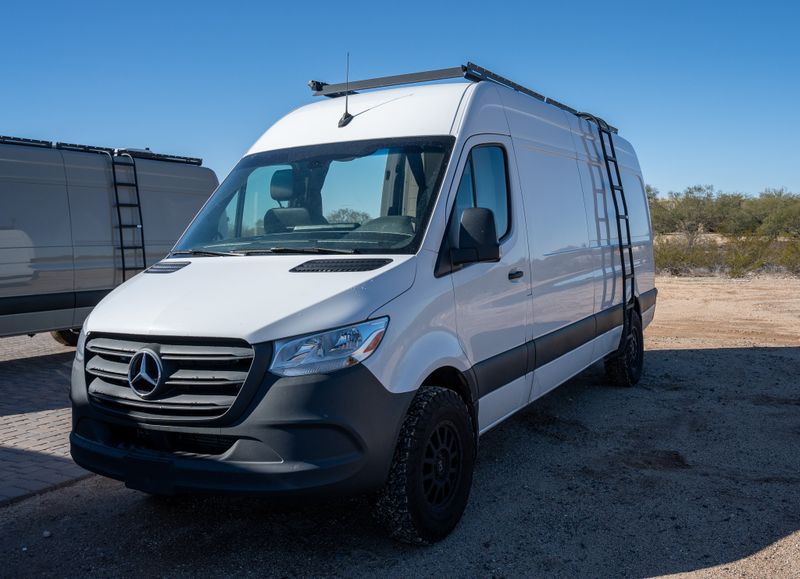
x=399, y=112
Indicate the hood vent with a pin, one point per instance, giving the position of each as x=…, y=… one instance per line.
x=340, y=265
x=166, y=266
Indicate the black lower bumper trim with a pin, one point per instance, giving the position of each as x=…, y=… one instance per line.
x=317, y=434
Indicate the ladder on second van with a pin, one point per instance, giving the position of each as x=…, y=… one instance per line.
x=622, y=217
x=129, y=213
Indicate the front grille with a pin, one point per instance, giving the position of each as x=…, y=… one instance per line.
x=201, y=378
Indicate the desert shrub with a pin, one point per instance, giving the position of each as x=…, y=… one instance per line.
x=789, y=256
x=749, y=253
x=755, y=233
x=679, y=256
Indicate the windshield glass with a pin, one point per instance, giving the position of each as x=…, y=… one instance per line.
x=360, y=197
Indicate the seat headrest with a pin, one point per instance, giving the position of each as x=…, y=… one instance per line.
x=281, y=187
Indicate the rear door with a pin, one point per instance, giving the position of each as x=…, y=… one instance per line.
x=493, y=304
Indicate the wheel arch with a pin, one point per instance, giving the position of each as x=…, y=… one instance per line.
x=462, y=383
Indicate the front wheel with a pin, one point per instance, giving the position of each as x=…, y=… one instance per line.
x=624, y=368
x=67, y=337
x=431, y=474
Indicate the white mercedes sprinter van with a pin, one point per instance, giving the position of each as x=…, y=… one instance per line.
x=384, y=277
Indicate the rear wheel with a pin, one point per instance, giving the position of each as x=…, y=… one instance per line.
x=431, y=475
x=624, y=368
x=67, y=337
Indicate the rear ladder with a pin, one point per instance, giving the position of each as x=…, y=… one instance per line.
x=129, y=214
x=622, y=218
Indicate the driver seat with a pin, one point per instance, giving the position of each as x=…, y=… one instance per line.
x=284, y=219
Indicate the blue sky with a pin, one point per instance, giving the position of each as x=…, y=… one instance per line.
x=708, y=93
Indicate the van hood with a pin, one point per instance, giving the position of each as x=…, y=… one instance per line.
x=255, y=298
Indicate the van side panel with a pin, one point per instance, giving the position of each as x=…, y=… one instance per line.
x=92, y=218
x=561, y=260
x=600, y=215
x=36, y=283
x=171, y=194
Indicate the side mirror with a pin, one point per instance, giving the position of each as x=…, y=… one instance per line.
x=477, y=238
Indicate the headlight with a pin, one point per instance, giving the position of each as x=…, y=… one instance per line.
x=327, y=351
x=81, y=344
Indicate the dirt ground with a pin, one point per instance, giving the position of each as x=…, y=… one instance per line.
x=695, y=472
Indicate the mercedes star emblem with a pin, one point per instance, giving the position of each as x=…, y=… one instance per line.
x=145, y=373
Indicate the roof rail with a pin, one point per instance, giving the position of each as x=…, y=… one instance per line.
x=148, y=154
x=469, y=71
x=26, y=142
x=82, y=148
x=138, y=153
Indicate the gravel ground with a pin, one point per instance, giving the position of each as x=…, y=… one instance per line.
x=696, y=470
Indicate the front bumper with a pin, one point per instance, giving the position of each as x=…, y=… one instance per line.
x=317, y=434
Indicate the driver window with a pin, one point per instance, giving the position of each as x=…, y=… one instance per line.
x=484, y=184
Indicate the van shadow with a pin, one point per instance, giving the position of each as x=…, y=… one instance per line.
x=693, y=468
x=34, y=384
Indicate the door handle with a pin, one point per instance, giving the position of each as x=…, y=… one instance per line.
x=515, y=274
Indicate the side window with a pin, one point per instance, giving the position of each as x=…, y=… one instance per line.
x=484, y=184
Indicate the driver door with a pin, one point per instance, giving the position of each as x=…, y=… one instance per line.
x=493, y=300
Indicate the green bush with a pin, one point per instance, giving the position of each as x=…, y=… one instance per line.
x=735, y=256
x=747, y=254
x=677, y=256
x=755, y=233
x=789, y=256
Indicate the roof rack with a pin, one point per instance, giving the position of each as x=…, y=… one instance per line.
x=138, y=153
x=26, y=142
x=470, y=71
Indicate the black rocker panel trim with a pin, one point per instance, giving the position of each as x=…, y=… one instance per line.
x=648, y=299
x=499, y=370
x=50, y=302
x=608, y=319
x=89, y=299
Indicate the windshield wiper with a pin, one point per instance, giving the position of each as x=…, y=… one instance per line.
x=302, y=250
x=207, y=252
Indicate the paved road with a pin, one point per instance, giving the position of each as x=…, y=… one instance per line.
x=34, y=416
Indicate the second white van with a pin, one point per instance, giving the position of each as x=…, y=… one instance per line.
x=384, y=277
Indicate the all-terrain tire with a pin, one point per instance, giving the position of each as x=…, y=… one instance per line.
x=431, y=474
x=624, y=368
x=66, y=337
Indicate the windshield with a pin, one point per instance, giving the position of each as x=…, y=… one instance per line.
x=357, y=197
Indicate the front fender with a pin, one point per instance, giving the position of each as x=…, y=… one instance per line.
x=421, y=336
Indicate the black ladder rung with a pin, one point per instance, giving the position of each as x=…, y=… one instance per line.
x=617, y=187
x=130, y=226
x=130, y=247
x=127, y=205
x=612, y=159
x=126, y=183
x=628, y=276
x=622, y=216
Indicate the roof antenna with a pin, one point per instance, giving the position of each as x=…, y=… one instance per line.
x=346, y=117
